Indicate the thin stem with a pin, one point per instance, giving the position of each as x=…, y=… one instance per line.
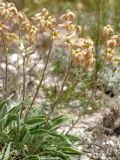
x=24, y=85
x=73, y=125
x=6, y=64
x=39, y=85
x=97, y=46
x=34, y=65
x=98, y=27
x=61, y=90
x=6, y=75
x=24, y=78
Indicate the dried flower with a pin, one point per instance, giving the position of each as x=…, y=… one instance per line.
x=54, y=34
x=8, y=10
x=33, y=33
x=12, y=37
x=109, y=54
x=68, y=16
x=70, y=42
x=107, y=31
x=51, y=23
x=44, y=12
x=83, y=53
x=24, y=22
x=111, y=43
x=3, y=27
x=78, y=28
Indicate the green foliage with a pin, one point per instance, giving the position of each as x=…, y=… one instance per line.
x=35, y=138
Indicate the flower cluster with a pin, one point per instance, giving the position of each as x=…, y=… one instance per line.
x=8, y=16
x=111, y=43
x=82, y=49
x=8, y=10
x=27, y=26
x=107, y=31
x=69, y=26
x=83, y=52
x=46, y=23
x=68, y=19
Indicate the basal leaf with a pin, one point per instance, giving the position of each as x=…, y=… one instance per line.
x=7, y=152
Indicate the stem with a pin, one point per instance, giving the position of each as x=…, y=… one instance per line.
x=98, y=27
x=24, y=78
x=97, y=46
x=39, y=85
x=24, y=85
x=61, y=90
x=6, y=63
x=6, y=75
x=73, y=125
x=34, y=65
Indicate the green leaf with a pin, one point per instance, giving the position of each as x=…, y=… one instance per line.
x=7, y=152
x=2, y=104
x=32, y=157
x=3, y=111
x=26, y=137
x=3, y=107
x=73, y=138
x=58, y=154
x=22, y=133
x=35, y=121
x=58, y=121
x=39, y=132
x=14, y=109
x=2, y=123
x=10, y=119
x=70, y=150
x=62, y=137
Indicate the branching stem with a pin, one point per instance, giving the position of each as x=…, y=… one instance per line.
x=40, y=83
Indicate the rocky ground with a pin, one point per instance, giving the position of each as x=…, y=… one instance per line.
x=99, y=134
